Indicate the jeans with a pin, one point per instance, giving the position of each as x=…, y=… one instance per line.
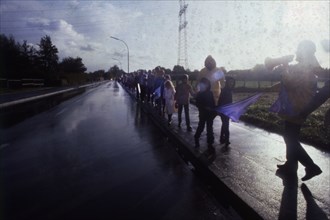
x=208, y=120
x=224, y=134
x=186, y=113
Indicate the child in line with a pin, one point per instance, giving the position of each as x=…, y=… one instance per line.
x=169, y=93
x=182, y=95
x=205, y=104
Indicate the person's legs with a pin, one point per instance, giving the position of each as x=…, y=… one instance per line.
x=295, y=152
x=209, y=130
x=224, y=134
x=291, y=136
x=137, y=92
x=209, y=134
x=187, y=117
x=163, y=106
x=180, y=114
x=200, y=129
x=302, y=156
x=148, y=94
x=169, y=120
x=158, y=105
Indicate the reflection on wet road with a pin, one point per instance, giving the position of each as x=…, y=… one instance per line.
x=97, y=156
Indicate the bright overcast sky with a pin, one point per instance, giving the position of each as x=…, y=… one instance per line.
x=238, y=35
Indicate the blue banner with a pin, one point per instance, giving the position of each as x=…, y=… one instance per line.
x=235, y=110
x=157, y=92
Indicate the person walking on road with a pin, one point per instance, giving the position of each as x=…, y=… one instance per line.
x=182, y=95
x=226, y=97
x=205, y=104
x=298, y=87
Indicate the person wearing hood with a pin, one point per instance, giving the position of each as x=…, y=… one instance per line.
x=214, y=74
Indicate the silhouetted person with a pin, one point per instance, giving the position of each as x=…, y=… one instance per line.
x=313, y=210
x=150, y=86
x=205, y=104
x=166, y=77
x=182, y=95
x=298, y=87
x=143, y=77
x=137, y=85
x=159, y=83
x=226, y=97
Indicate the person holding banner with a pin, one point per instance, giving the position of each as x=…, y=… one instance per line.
x=226, y=97
x=205, y=104
x=298, y=88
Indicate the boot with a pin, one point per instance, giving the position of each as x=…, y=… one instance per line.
x=311, y=172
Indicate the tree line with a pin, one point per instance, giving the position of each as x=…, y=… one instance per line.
x=21, y=60
x=24, y=61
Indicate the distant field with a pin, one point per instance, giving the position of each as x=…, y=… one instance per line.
x=313, y=132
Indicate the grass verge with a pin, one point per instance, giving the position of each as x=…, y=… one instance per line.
x=313, y=132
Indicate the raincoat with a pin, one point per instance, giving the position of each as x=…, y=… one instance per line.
x=214, y=74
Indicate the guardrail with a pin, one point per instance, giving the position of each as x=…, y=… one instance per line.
x=16, y=111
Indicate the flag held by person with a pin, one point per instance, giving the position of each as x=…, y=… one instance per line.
x=157, y=93
x=282, y=105
x=235, y=110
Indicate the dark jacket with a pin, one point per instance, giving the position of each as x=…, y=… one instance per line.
x=226, y=96
x=182, y=94
x=205, y=103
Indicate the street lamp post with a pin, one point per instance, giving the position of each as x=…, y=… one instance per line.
x=127, y=51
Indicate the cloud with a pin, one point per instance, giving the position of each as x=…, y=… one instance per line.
x=37, y=22
x=118, y=54
x=232, y=32
x=326, y=45
x=87, y=48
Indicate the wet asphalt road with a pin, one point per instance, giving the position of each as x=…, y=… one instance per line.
x=97, y=156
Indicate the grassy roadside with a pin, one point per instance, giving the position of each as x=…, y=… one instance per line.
x=313, y=131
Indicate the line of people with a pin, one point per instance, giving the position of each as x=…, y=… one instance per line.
x=212, y=89
x=297, y=99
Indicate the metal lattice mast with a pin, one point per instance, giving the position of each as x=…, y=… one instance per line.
x=182, y=42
